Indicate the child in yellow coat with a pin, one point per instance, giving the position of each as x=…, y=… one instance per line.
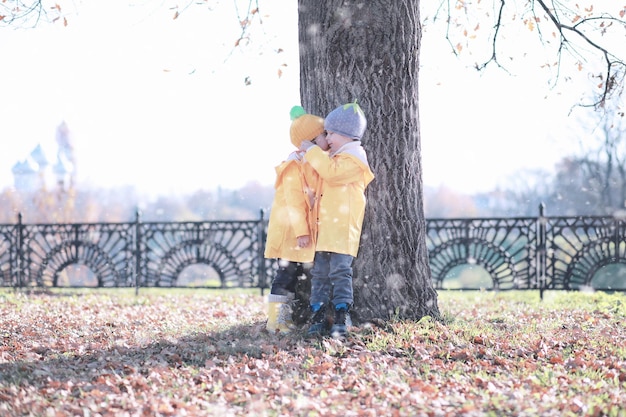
x=344, y=175
x=291, y=229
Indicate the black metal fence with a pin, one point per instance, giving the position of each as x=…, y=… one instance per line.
x=542, y=253
x=134, y=254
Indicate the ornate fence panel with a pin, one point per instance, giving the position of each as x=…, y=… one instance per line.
x=105, y=249
x=230, y=248
x=8, y=254
x=505, y=248
x=556, y=253
x=578, y=247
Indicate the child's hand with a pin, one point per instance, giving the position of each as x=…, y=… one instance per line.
x=304, y=241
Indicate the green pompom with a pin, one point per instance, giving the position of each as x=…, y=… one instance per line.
x=296, y=111
x=355, y=107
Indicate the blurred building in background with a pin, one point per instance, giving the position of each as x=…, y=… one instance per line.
x=36, y=173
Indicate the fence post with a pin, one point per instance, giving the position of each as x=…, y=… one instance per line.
x=541, y=250
x=261, y=251
x=138, y=238
x=19, y=259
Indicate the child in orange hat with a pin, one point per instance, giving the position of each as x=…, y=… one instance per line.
x=291, y=229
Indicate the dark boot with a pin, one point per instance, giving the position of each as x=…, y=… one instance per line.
x=342, y=321
x=319, y=325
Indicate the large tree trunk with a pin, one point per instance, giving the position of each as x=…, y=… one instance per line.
x=369, y=51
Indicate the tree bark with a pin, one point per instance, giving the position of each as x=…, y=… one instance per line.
x=369, y=51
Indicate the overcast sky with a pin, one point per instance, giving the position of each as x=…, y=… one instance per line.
x=163, y=104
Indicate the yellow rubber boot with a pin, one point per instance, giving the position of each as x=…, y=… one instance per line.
x=278, y=314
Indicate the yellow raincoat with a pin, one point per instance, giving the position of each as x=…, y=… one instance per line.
x=291, y=215
x=344, y=177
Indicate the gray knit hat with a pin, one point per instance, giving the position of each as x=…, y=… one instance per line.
x=347, y=120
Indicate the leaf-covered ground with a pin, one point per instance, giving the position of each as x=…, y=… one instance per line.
x=195, y=353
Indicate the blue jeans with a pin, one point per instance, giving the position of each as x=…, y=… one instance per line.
x=331, y=274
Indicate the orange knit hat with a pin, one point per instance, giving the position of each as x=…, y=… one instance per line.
x=304, y=126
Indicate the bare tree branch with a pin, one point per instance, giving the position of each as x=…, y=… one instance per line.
x=496, y=27
x=611, y=61
x=27, y=13
x=573, y=29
